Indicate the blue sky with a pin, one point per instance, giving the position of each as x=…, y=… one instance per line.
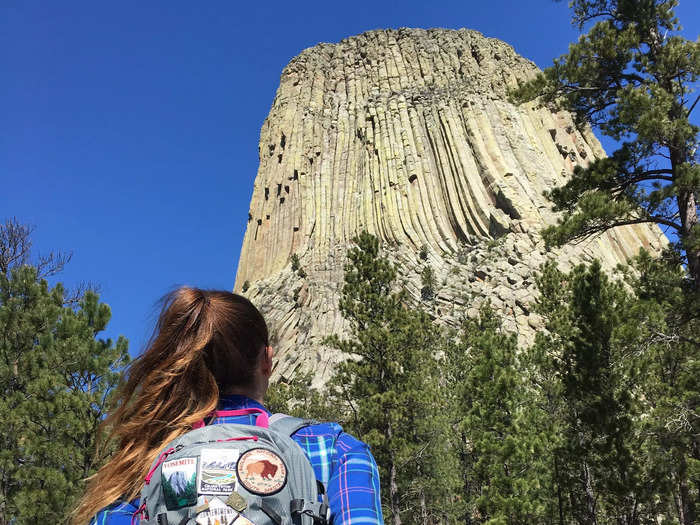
x=130, y=129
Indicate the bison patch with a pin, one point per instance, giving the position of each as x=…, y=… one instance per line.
x=261, y=471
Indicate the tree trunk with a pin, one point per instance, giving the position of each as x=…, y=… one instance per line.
x=685, y=501
x=465, y=480
x=421, y=498
x=679, y=505
x=689, y=219
x=590, y=496
x=423, y=508
x=559, y=498
x=687, y=210
x=393, y=487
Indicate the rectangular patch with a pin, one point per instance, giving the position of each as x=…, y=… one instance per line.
x=217, y=470
x=218, y=513
x=178, y=479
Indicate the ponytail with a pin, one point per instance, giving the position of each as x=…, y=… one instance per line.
x=204, y=344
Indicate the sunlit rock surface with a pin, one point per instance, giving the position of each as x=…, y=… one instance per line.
x=409, y=134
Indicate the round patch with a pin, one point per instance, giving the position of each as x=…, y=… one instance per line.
x=261, y=471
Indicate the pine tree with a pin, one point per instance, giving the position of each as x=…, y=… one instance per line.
x=56, y=377
x=504, y=479
x=663, y=323
x=298, y=397
x=632, y=77
x=588, y=352
x=391, y=387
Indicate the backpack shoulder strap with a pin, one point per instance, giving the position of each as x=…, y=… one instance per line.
x=289, y=425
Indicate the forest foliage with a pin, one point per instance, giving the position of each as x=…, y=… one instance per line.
x=56, y=379
x=596, y=422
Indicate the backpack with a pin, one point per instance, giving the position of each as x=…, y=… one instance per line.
x=234, y=474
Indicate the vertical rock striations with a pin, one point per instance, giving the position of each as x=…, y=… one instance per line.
x=408, y=134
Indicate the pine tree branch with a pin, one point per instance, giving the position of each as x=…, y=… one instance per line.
x=693, y=106
x=651, y=174
x=582, y=20
x=600, y=228
x=675, y=337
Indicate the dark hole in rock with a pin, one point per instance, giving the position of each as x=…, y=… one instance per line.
x=553, y=133
x=283, y=141
x=296, y=175
x=412, y=178
x=281, y=200
x=267, y=193
x=279, y=158
x=505, y=204
x=296, y=228
x=279, y=189
x=272, y=149
x=250, y=217
x=286, y=189
x=267, y=217
x=259, y=222
x=475, y=55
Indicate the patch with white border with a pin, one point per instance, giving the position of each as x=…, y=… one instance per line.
x=217, y=513
x=217, y=471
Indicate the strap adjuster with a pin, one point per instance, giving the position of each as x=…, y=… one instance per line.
x=318, y=511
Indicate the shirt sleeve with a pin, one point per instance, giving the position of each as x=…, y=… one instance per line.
x=118, y=513
x=353, y=487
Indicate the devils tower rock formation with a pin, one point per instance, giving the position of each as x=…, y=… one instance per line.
x=409, y=134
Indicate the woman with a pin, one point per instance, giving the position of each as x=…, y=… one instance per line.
x=210, y=351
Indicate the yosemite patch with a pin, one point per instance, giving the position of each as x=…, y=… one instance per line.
x=261, y=471
x=178, y=478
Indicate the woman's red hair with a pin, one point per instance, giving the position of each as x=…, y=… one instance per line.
x=205, y=343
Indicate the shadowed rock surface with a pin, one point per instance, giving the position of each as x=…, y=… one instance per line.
x=409, y=134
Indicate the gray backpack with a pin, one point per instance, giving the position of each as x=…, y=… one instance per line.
x=234, y=474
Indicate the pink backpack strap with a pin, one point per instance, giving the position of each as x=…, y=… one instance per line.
x=261, y=421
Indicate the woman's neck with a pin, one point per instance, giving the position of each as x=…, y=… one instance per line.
x=254, y=394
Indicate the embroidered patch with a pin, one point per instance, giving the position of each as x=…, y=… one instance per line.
x=236, y=501
x=178, y=479
x=261, y=471
x=218, y=513
x=217, y=471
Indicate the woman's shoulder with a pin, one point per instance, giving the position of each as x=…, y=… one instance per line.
x=118, y=513
x=332, y=433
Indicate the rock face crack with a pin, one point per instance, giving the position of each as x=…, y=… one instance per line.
x=409, y=134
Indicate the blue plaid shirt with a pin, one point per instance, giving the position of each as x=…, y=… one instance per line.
x=342, y=463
